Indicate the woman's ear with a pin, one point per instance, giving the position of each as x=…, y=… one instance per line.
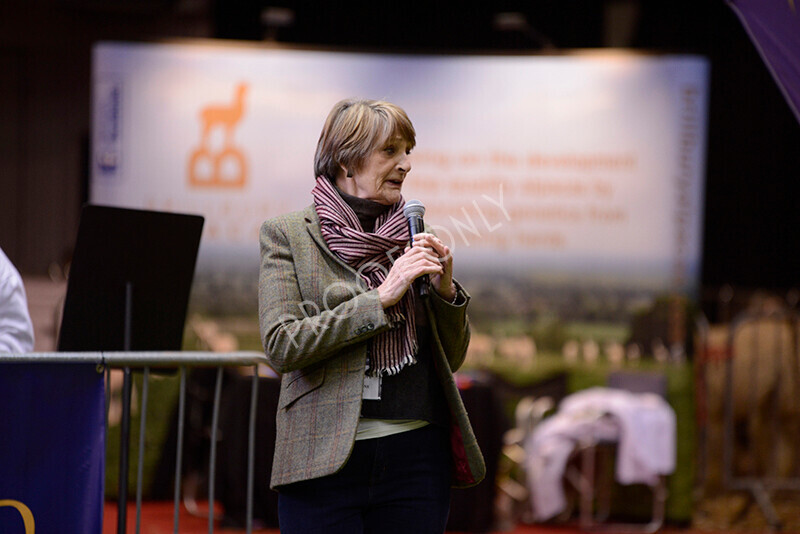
x=348, y=173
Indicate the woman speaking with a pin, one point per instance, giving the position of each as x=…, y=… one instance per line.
x=371, y=430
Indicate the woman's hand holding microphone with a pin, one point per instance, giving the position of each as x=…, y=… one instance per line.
x=427, y=255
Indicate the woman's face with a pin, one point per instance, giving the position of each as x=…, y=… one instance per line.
x=382, y=175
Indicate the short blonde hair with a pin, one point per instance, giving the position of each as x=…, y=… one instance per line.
x=354, y=129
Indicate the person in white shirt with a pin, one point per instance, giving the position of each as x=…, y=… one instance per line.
x=16, y=328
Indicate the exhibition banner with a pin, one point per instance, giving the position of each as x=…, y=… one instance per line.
x=580, y=166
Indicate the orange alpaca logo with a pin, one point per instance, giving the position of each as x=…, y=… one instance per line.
x=217, y=162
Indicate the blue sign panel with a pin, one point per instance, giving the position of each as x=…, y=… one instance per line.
x=52, y=448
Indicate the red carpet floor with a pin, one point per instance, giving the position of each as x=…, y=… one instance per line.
x=156, y=518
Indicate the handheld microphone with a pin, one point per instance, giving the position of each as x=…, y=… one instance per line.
x=414, y=210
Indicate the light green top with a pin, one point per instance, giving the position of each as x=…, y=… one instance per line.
x=379, y=428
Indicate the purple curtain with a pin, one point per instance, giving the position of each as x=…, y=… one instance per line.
x=774, y=27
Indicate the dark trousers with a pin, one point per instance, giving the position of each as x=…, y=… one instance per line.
x=396, y=484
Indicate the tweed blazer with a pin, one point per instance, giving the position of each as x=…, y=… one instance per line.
x=316, y=319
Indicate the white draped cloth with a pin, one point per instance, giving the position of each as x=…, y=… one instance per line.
x=16, y=329
x=642, y=424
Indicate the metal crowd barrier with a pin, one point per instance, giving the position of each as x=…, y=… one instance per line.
x=127, y=361
x=762, y=383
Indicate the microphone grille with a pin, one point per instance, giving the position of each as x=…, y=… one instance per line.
x=414, y=208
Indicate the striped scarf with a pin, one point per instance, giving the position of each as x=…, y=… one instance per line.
x=372, y=255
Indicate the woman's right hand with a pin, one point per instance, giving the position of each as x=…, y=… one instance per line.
x=415, y=262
